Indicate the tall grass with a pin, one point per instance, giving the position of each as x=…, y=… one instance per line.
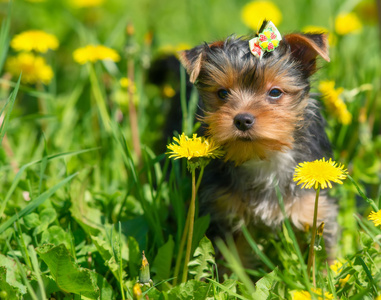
x=78, y=201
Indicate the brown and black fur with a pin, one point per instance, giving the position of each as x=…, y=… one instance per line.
x=282, y=132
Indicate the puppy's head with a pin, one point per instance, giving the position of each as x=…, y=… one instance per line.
x=253, y=106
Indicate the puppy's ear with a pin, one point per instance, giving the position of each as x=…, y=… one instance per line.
x=191, y=60
x=306, y=47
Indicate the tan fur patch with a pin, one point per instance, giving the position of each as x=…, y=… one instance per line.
x=301, y=213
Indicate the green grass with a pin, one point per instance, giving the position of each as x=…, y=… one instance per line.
x=79, y=203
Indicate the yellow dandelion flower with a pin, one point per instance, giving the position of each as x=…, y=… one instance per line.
x=195, y=147
x=313, y=28
x=168, y=91
x=344, y=280
x=346, y=23
x=319, y=173
x=320, y=29
x=126, y=83
x=92, y=53
x=85, y=3
x=254, y=13
x=375, y=217
x=173, y=49
x=333, y=102
x=33, y=68
x=34, y=40
x=181, y=47
x=137, y=291
x=336, y=267
x=304, y=295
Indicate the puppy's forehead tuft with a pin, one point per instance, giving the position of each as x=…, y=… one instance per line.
x=235, y=53
x=231, y=48
x=230, y=63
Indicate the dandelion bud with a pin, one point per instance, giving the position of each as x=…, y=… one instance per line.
x=144, y=276
x=319, y=235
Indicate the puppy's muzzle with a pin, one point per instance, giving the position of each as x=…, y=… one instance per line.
x=244, y=121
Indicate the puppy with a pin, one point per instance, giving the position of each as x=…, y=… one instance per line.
x=257, y=106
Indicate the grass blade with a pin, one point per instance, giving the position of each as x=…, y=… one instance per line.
x=226, y=289
x=24, y=167
x=330, y=281
x=370, y=201
x=231, y=255
x=295, y=242
x=35, y=203
x=368, y=274
x=4, y=36
x=23, y=274
x=37, y=271
x=10, y=102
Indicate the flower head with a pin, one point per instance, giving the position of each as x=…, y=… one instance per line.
x=137, y=291
x=85, y=3
x=126, y=83
x=92, y=53
x=333, y=102
x=168, y=91
x=304, y=295
x=173, y=49
x=255, y=12
x=346, y=23
x=34, y=40
x=314, y=28
x=336, y=268
x=320, y=29
x=195, y=147
x=319, y=173
x=375, y=217
x=33, y=68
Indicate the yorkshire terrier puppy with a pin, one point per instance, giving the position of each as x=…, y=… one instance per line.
x=258, y=108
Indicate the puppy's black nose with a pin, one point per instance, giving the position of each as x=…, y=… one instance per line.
x=244, y=121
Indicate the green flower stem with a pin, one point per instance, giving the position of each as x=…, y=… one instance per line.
x=191, y=214
x=183, y=100
x=199, y=178
x=185, y=232
x=99, y=98
x=181, y=250
x=311, y=253
x=132, y=111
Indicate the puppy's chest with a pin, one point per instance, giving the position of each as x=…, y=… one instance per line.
x=252, y=195
x=259, y=180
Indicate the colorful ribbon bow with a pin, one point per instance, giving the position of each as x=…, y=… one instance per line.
x=267, y=40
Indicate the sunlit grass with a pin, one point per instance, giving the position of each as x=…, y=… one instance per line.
x=75, y=189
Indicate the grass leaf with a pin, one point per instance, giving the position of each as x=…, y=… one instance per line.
x=70, y=277
x=10, y=102
x=163, y=260
x=35, y=203
x=203, y=260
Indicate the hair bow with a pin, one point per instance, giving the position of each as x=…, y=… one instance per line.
x=267, y=40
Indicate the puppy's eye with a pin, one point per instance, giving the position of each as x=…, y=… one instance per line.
x=275, y=93
x=222, y=94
